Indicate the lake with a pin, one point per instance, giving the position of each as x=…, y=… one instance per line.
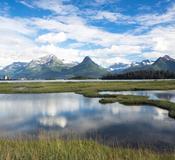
x=68, y=113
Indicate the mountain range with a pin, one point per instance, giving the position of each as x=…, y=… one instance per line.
x=120, y=67
x=50, y=67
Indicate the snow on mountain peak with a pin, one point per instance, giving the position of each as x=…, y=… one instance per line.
x=142, y=63
x=47, y=58
x=43, y=60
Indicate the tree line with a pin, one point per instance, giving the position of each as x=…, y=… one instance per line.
x=143, y=74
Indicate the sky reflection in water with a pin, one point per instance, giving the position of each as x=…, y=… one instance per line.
x=68, y=112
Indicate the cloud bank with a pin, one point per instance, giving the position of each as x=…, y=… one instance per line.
x=72, y=31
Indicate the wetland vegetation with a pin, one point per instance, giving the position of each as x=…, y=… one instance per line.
x=72, y=150
x=92, y=89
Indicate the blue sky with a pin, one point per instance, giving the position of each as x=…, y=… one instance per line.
x=109, y=31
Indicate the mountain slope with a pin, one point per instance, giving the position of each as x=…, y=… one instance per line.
x=13, y=68
x=137, y=66
x=165, y=63
x=50, y=62
x=48, y=67
x=87, y=68
x=118, y=67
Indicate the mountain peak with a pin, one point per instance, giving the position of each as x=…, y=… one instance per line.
x=87, y=58
x=168, y=58
x=48, y=57
x=145, y=62
x=88, y=68
x=48, y=60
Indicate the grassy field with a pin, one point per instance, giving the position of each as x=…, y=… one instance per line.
x=72, y=150
x=50, y=87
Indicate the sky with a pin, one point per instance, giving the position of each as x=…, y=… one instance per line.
x=109, y=31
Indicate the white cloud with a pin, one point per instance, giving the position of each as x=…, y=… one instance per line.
x=4, y=8
x=126, y=49
x=105, y=1
x=21, y=26
x=76, y=29
x=161, y=42
x=152, y=54
x=25, y=3
x=21, y=39
x=115, y=46
x=52, y=38
x=155, y=19
x=114, y=17
x=144, y=20
x=68, y=55
x=16, y=43
x=56, y=6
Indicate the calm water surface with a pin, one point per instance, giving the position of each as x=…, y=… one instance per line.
x=67, y=113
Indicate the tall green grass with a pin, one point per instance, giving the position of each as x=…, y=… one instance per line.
x=56, y=87
x=72, y=150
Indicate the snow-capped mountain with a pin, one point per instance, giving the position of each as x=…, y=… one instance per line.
x=13, y=69
x=167, y=58
x=46, y=60
x=50, y=67
x=142, y=63
x=165, y=63
x=117, y=67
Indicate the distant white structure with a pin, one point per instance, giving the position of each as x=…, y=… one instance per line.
x=6, y=77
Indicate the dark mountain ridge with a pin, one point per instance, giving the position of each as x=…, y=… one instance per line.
x=50, y=67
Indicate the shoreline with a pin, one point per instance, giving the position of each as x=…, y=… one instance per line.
x=86, y=80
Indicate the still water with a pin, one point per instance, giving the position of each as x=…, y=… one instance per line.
x=67, y=113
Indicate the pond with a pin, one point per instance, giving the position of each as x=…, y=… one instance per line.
x=67, y=113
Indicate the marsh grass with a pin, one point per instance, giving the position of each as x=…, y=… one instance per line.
x=80, y=87
x=72, y=150
x=140, y=100
x=92, y=89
